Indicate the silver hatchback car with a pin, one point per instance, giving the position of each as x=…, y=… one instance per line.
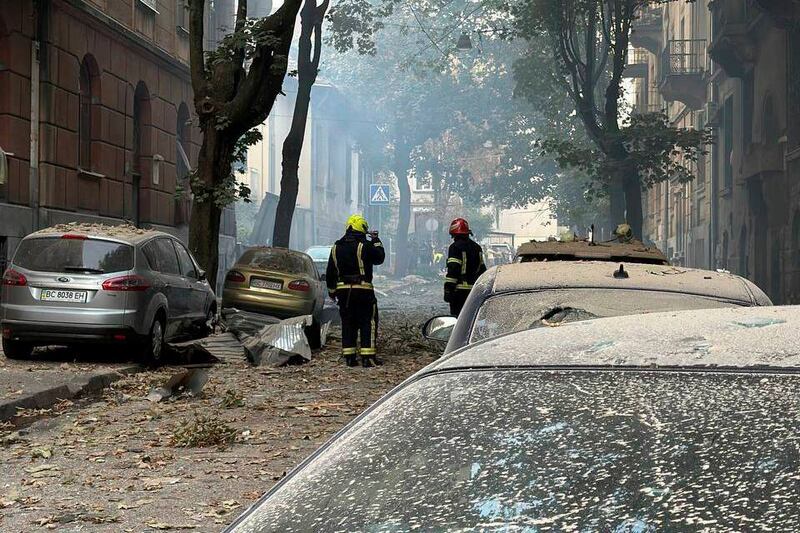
x=102, y=284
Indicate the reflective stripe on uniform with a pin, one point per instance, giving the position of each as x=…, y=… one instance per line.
x=454, y=260
x=377, y=244
x=333, y=256
x=349, y=351
x=463, y=263
x=374, y=328
x=360, y=259
x=353, y=286
x=450, y=280
x=368, y=351
x=466, y=286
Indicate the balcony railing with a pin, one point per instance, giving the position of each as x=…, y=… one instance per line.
x=684, y=57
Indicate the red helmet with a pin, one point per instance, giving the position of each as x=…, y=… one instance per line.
x=459, y=226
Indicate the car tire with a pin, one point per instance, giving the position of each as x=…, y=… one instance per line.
x=314, y=334
x=154, y=344
x=16, y=349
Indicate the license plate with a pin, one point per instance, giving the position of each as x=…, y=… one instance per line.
x=265, y=284
x=57, y=295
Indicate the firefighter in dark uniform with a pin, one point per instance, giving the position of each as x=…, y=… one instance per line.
x=349, y=280
x=464, y=266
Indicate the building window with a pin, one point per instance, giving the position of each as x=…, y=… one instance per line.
x=89, y=93
x=182, y=15
x=3, y=173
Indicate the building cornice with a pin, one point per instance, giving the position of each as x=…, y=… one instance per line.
x=115, y=29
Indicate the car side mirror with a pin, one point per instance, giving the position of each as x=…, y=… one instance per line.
x=323, y=277
x=201, y=275
x=439, y=328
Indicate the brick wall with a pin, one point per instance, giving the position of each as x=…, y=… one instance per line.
x=121, y=60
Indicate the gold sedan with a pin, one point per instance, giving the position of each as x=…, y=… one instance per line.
x=275, y=281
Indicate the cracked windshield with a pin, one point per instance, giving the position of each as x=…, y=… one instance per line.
x=399, y=265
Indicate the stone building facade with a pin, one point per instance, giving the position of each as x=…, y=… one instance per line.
x=730, y=66
x=96, y=114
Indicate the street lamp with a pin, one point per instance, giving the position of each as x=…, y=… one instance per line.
x=464, y=42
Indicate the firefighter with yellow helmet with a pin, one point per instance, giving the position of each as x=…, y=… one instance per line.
x=349, y=280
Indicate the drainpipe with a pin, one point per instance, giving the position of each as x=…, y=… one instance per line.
x=38, y=71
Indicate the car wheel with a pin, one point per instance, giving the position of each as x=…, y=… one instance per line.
x=16, y=349
x=154, y=345
x=314, y=335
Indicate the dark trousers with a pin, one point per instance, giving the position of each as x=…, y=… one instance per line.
x=359, y=311
x=457, y=299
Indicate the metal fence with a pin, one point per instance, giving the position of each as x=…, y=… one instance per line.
x=683, y=57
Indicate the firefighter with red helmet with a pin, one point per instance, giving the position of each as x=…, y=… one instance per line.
x=464, y=265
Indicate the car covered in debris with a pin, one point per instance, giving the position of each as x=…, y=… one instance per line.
x=320, y=255
x=669, y=421
x=531, y=295
x=90, y=283
x=585, y=250
x=278, y=282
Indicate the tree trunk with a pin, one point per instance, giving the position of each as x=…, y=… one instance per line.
x=214, y=160
x=311, y=18
x=401, y=167
x=633, y=205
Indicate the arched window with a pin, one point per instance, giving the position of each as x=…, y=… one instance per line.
x=743, y=253
x=182, y=163
x=141, y=143
x=89, y=96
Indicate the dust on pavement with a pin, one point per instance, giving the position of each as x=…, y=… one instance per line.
x=117, y=462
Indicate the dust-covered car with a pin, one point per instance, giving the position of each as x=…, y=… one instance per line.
x=102, y=284
x=278, y=282
x=680, y=421
x=320, y=255
x=531, y=295
x=585, y=250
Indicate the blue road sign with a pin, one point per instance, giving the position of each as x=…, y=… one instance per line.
x=379, y=194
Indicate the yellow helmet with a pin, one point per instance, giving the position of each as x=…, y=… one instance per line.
x=357, y=223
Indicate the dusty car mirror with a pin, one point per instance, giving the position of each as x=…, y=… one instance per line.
x=439, y=328
x=201, y=275
x=323, y=277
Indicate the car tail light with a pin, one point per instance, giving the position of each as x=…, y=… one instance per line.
x=126, y=283
x=299, y=285
x=74, y=236
x=234, y=276
x=14, y=278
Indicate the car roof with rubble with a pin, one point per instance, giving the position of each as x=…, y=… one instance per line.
x=122, y=232
x=741, y=337
x=550, y=275
x=555, y=250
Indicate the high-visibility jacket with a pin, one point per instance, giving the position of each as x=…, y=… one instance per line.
x=464, y=263
x=351, y=261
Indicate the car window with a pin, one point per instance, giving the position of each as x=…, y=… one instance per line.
x=525, y=450
x=185, y=260
x=57, y=254
x=507, y=313
x=275, y=260
x=319, y=253
x=161, y=256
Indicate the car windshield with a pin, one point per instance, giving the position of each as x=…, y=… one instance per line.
x=57, y=254
x=507, y=313
x=319, y=253
x=275, y=260
x=526, y=450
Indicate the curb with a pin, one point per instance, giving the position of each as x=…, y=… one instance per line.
x=73, y=388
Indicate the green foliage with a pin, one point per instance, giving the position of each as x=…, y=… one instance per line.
x=653, y=150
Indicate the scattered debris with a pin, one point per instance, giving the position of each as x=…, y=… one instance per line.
x=188, y=381
x=163, y=526
x=232, y=399
x=274, y=344
x=203, y=431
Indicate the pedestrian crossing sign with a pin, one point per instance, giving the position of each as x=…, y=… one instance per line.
x=379, y=194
